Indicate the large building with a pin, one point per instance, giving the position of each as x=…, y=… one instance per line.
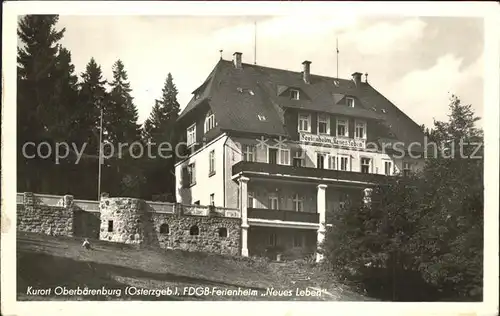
x=287, y=148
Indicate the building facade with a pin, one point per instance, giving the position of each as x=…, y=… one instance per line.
x=288, y=149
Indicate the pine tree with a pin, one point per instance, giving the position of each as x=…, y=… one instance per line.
x=122, y=174
x=46, y=98
x=159, y=125
x=160, y=128
x=85, y=128
x=120, y=113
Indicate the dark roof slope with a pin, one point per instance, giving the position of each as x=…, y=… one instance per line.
x=252, y=100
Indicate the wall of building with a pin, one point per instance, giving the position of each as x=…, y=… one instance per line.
x=233, y=155
x=206, y=183
x=285, y=192
x=309, y=154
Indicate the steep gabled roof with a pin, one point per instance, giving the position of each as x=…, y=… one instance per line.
x=253, y=99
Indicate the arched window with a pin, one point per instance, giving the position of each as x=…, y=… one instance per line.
x=164, y=229
x=194, y=230
x=222, y=232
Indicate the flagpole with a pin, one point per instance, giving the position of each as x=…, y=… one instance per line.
x=337, y=57
x=255, y=43
x=100, y=158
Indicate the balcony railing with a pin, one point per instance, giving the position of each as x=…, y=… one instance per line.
x=283, y=215
x=305, y=172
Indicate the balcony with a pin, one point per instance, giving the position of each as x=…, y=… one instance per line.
x=305, y=173
x=283, y=215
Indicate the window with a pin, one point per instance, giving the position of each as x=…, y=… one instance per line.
x=250, y=200
x=298, y=203
x=261, y=117
x=350, y=102
x=304, y=123
x=323, y=124
x=249, y=153
x=284, y=156
x=360, y=131
x=273, y=202
x=212, y=199
x=406, y=168
x=387, y=168
x=110, y=226
x=342, y=128
x=344, y=163
x=294, y=94
x=209, y=121
x=191, y=174
x=194, y=230
x=298, y=159
x=339, y=163
x=191, y=135
x=365, y=165
x=332, y=162
x=298, y=240
x=272, y=155
x=223, y=232
x=320, y=161
x=273, y=239
x=211, y=163
x=164, y=229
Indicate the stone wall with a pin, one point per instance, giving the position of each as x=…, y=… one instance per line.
x=126, y=220
x=131, y=221
x=51, y=220
x=86, y=224
x=179, y=231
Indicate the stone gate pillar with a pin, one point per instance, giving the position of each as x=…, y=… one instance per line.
x=321, y=206
x=244, y=215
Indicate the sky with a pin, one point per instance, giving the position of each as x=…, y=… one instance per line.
x=416, y=62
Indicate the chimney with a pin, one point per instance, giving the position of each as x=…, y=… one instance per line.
x=237, y=60
x=356, y=77
x=306, y=74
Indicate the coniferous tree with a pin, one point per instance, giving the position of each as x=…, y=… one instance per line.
x=160, y=128
x=85, y=128
x=46, y=97
x=423, y=232
x=122, y=174
x=120, y=112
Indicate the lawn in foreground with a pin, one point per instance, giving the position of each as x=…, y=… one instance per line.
x=47, y=262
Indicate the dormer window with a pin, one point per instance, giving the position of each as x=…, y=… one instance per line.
x=261, y=117
x=196, y=95
x=210, y=121
x=294, y=94
x=350, y=102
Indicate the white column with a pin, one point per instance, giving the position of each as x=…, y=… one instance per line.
x=321, y=206
x=244, y=215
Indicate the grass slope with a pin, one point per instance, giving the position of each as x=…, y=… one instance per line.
x=47, y=262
